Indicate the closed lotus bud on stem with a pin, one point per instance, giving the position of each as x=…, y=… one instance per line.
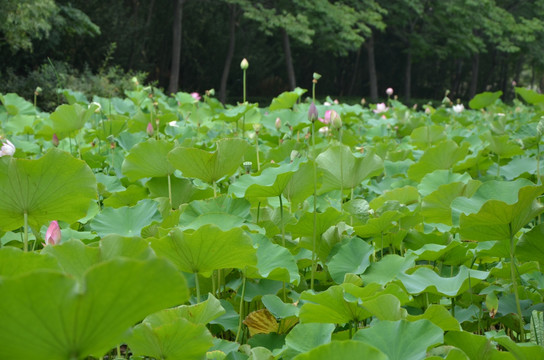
x=52, y=236
x=244, y=64
x=389, y=91
x=149, y=129
x=312, y=112
x=336, y=121
x=55, y=140
x=278, y=123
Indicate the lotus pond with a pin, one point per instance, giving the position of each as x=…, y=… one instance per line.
x=171, y=227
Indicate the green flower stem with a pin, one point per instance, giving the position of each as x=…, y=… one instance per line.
x=314, y=238
x=170, y=192
x=214, y=189
x=282, y=242
x=197, y=285
x=257, y=150
x=515, y=284
x=25, y=239
x=241, y=306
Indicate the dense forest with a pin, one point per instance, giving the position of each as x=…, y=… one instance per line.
x=420, y=48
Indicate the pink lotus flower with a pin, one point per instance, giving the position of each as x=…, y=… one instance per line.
x=326, y=119
x=52, y=236
x=7, y=149
x=196, y=96
x=149, y=129
x=380, y=108
x=389, y=91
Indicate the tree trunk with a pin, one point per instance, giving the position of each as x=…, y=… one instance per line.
x=230, y=54
x=173, y=86
x=288, y=60
x=355, y=71
x=474, y=76
x=408, y=77
x=372, y=68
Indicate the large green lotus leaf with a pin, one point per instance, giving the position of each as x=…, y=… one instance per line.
x=502, y=145
x=530, y=96
x=428, y=135
x=476, y=346
x=179, y=339
x=274, y=262
x=201, y=313
x=183, y=190
x=353, y=256
x=438, y=315
x=305, y=225
x=405, y=195
x=301, y=184
x=331, y=306
x=75, y=258
x=531, y=245
x=439, y=157
x=385, y=307
x=379, y=225
x=206, y=249
x=20, y=124
x=271, y=182
x=55, y=187
x=14, y=261
x=232, y=114
x=411, y=339
x=425, y=279
x=76, y=320
x=373, y=290
x=67, y=119
x=341, y=350
x=14, y=105
x=455, y=253
x=125, y=221
x=148, y=159
x=278, y=308
x=497, y=220
x=504, y=191
x=305, y=337
x=484, y=99
x=286, y=100
x=517, y=167
x=223, y=211
x=433, y=181
x=342, y=169
x=128, y=197
x=209, y=166
x=436, y=207
x=521, y=351
x=388, y=268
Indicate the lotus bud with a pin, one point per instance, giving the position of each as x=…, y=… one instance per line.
x=98, y=106
x=37, y=91
x=336, y=121
x=7, y=149
x=149, y=129
x=312, y=113
x=244, y=64
x=389, y=91
x=278, y=123
x=55, y=140
x=52, y=236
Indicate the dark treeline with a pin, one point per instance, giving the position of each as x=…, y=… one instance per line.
x=421, y=48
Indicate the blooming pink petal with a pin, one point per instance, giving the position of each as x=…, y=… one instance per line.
x=196, y=96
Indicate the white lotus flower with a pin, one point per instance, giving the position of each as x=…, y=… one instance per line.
x=458, y=108
x=7, y=148
x=380, y=108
